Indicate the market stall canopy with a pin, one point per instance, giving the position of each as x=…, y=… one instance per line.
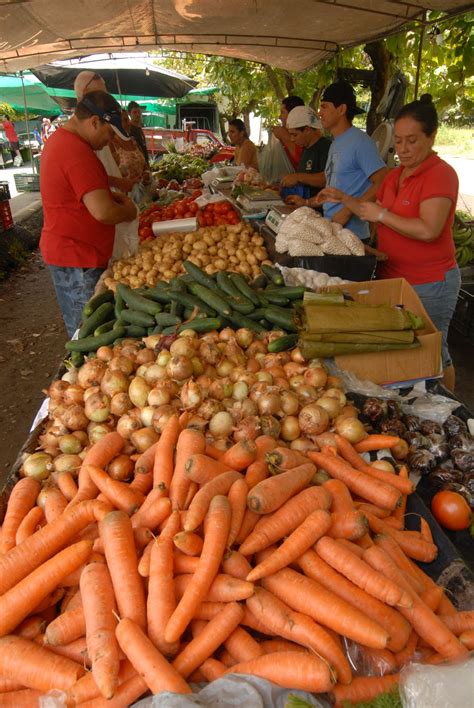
x=38, y=102
x=122, y=75
x=278, y=32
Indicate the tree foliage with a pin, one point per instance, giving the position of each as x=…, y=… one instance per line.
x=249, y=87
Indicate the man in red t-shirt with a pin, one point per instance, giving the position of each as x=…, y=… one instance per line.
x=281, y=132
x=79, y=210
x=13, y=142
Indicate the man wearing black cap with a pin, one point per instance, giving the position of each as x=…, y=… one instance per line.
x=354, y=165
x=79, y=210
x=135, y=113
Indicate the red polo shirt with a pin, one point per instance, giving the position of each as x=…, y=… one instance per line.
x=71, y=237
x=417, y=261
x=10, y=131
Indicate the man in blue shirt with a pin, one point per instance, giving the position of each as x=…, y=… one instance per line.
x=354, y=165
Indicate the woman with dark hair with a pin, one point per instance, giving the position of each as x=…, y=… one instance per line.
x=281, y=132
x=245, y=150
x=414, y=212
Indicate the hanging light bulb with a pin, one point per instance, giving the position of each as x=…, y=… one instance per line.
x=147, y=72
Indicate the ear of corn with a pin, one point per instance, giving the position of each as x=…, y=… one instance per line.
x=364, y=318
x=405, y=336
x=315, y=350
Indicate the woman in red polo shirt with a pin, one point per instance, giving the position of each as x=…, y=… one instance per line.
x=414, y=211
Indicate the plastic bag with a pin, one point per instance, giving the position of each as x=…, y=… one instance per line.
x=273, y=162
x=452, y=686
x=126, y=239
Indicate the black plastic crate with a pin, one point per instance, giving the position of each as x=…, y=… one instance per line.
x=4, y=192
x=463, y=318
x=26, y=182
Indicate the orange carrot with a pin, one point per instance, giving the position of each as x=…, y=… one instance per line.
x=309, y=597
x=432, y=597
x=157, y=673
x=286, y=519
x=289, y=670
x=224, y=588
x=22, y=500
x=99, y=605
x=242, y=645
x=163, y=463
x=341, y=500
x=248, y=524
x=299, y=541
x=86, y=688
x=192, y=489
x=201, y=468
x=376, y=442
x=188, y=542
x=399, y=512
x=200, y=504
x=36, y=667
x=67, y=627
x=358, y=482
x=377, y=510
x=282, y=458
x=239, y=456
x=270, y=646
x=426, y=530
x=29, y=525
x=413, y=545
x=216, y=631
x=238, y=504
x=236, y=564
x=120, y=494
x=172, y=525
x=144, y=562
x=212, y=669
x=31, y=627
x=446, y=607
x=364, y=688
x=460, y=622
x=7, y=685
x=67, y=485
x=467, y=638
x=98, y=455
x=256, y=472
x=161, y=601
x=282, y=621
x=214, y=452
x=358, y=550
x=21, y=698
x=226, y=658
x=24, y=597
x=126, y=694
x=207, y=610
x=55, y=504
x=361, y=574
x=215, y=537
x=153, y=512
x=404, y=656
x=189, y=443
x=350, y=525
x=119, y=545
x=265, y=443
x=415, y=575
x=184, y=564
x=272, y=493
x=428, y=625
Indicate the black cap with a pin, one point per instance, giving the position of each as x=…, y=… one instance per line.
x=342, y=92
x=113, y=116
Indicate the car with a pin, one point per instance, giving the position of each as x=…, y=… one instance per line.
x=30, y=142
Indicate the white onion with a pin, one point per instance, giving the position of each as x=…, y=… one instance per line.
x=351, y=428
x=38, y=466
x=240, y=391
x=221, y=425
x=146, y=415
x=183, y=347
x=138, y=391
x=337, y=394
x=331, y=405
x=289, y=403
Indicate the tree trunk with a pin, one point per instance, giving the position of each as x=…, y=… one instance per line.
x=273, y=79
x=381, y=61
x=289, y=83
x=314, y=102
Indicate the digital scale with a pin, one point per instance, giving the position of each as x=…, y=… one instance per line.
x=276, y=216
x=256, y=201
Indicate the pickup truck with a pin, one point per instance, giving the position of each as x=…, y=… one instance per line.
x=158, y=138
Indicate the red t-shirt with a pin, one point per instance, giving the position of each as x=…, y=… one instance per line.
x=71, y=237
x=296, y=157
x=417, y=261
x=10, y=131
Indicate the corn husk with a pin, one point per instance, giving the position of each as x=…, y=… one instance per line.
x=334, y=298
x=363, y=318
x=316, y=350
x=406, y=336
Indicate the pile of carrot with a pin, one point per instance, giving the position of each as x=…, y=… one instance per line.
x=207, y=563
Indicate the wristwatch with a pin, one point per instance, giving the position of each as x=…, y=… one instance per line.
x=382, y=214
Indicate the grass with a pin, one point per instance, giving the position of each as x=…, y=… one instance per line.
x=457, y=142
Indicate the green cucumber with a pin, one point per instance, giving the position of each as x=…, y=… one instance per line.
x=135, y=317
x=273, y=274
x=239, y=320
x=201, y=325
x=226, y=285
x=76, y=359
x=291, y=292
x=106, y=327
x=282, y=344
x=166, y=319
x=257, y=314
x=138, y=302
x=135, y=331
x=95, y=302
x=241, y=304
x=240, y=283
x=198, y=275
x=178, y=285
x=259, y=282
x=91, y=344
x=282, y=318
x=102, y=314
x=274, y=298
x=213, y=297
x=263, y=300
x=154, y=330
x=119, y=304
x=159, y=294
x=191, y=301
x=169, y=330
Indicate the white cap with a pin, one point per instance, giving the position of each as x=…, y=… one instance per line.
x=303, y=116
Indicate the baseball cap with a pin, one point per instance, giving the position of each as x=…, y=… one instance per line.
x=342, y=92
x=112, y=116
x=303, y=116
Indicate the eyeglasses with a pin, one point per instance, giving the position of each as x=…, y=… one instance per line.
x=95, y=77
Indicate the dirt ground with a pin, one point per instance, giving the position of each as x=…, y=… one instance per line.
x=31, y=349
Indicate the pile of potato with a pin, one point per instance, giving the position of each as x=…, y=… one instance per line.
x=231, y=247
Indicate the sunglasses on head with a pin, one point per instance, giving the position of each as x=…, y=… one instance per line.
x=95, y=77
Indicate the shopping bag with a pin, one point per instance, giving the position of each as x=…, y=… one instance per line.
x=273, y=162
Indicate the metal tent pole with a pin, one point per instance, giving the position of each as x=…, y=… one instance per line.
x=420, y=49
x=27, y=122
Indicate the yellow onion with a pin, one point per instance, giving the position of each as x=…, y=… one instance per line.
x=313, y=419
x=82, y=436
x=127, y=424
x=257, y=347
x=146, y=415
x=74, y=394
x=315, y=376
x=96, y=431
x=121, y=468
x=209, y=408
x=144, y=356
x=38, y=466
x=183, y=346
x=233, y=352
x=269, y=404
x=70, y=376
x=270, y=426
x=331, y=405
x=130, y=348
x=70, y=444
x=120, y=404
x=138, y=391
x=91, y=391
x=290, y=428
x=306, y=393
x=57, y=390
x=351, y=428
x=400, y=450
x=221, y=425
x=296, y=382
x=163, y=358
x=289, y=403
x=349, y=410
x=303, y=445
x=44, y=493
x=97, y=407
x=74, y=418
x=337, y=394
x=198, y=366
x=191, y=395
x=197, y=423
x=67, y=463
x=220, y=389
x=244, y=337
x=144, y=438
x=296, y=355
x=264, y=377
x=161, y=417
x=159, y=396
x=240, y=391
x=249, y=428
x=227, y=334
x=209, y=353
x=334, y=382
x=104, y=353
x=151, y=341
x=292, y=368
x=114, y=382
x=91, y=373
x=121, y=363
x=225, y=367
x=179, y=367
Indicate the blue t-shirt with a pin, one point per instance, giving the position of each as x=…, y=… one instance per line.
x=353, y=158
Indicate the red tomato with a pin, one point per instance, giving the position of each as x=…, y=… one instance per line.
x=197, y=193
x=451, y=510
x=209, y=221
x=201, y=220
x=145, y=233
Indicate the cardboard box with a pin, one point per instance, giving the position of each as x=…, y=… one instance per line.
x=396, y=366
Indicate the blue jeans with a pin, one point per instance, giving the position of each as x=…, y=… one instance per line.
x=439, y=299
x=74, y=287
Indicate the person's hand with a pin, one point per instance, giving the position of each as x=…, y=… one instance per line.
x=290, y=180
x=295, y=200
x=371, y=251
x=146, y=177
x=330, y=194
x=119, y=197
x=369, y=211
x=341, y=217
x=279, y=131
